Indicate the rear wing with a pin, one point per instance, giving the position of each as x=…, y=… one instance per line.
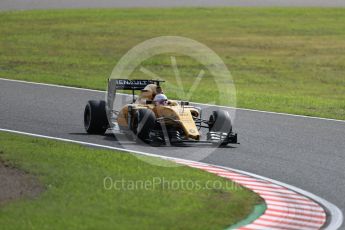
x=126, y=84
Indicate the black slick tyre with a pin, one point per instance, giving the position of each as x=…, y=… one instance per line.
x=95, y=117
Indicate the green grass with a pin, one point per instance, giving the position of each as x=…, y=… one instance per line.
x=282, y=59
x=75, y=197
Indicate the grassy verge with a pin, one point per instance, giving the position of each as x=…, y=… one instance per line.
x=282, y=59
x=75, y=195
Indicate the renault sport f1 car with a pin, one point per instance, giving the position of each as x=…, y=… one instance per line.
x=154, y=119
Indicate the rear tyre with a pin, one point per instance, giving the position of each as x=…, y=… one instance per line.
x=144, y=121
x=95, y=117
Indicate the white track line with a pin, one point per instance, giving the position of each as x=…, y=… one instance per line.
x=52, y=85
x=220, y=106
x=296, y=216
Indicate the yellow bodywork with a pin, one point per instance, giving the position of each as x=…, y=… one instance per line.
x=171, y=115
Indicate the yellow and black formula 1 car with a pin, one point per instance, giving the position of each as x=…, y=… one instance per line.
x=154, y=119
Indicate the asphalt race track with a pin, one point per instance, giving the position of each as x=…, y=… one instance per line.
x=43, y=4
x=305, y=152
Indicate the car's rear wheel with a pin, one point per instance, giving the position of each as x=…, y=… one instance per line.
x=144, y=121
x=95, y=117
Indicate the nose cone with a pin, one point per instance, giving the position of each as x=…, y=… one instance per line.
x=194, y=133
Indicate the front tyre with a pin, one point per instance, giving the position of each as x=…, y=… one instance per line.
x=220, y=121
x=220, y=128
x=95, y=117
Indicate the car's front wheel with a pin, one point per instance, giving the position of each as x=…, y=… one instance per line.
x=220, y=128
x=220, y=121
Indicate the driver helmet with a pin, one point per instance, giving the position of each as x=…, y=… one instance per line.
x=160, y=99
